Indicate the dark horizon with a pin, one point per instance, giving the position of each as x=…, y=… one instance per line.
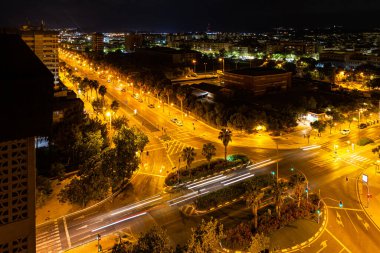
x=171, y=16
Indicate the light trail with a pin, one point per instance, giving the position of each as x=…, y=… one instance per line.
x=117, y=222
x=203, y=180
x=240, y=179
x=264, y=164
x=310, y=147
x=172, y=204
x=207, y=182
x=144, y=202
x=233, y=178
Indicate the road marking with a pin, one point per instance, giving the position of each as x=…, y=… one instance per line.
x=333, y=236
x=150, y=174
x=338, y=219
x=324, y=245
x=82, y=227
x=344, y=208
x=66, y=231
x=351, y=220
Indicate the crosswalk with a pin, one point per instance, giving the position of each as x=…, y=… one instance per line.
x=48, y=239
x=175, y=146
x=358, y=160
x=353, y=159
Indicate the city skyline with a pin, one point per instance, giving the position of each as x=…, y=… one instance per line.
x=170, y=16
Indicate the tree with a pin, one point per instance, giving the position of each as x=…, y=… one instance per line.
x=259, y=243
x=126, y=161
x=330, y=123
x=97, y=105
x=206, y=237
x=115, y=106
x=278, y=190
x=225, y=135
x=253, y=200
x=119, y=122
x=181, y=96
x=298, y=182
x=376, y=151
x=155, y=240
x=102, y=92
x=84, y=85
x=188, y=155
x=208, y=151
x=318, y=125
x=141, y=141
x=168, y=91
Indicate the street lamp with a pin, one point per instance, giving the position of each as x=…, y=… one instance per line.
x=109, y=115
x=194, y=62
x=222, y=60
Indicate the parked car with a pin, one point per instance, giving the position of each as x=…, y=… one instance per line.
x=179, y=123
x=345, y=131
x=151, y=105
x=362, y=125
x=174, y=120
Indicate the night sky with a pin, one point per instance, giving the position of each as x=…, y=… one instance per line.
x=194, y=15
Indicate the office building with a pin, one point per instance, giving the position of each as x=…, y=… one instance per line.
x=258, y=80
x=26, y=92
x=98, y=42
x=133, y=41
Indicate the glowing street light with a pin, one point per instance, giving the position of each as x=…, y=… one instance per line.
x=194, y=62
x=222, y=60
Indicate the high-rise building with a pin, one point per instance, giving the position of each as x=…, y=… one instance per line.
x=133, y=41
x=44, y=44
x=26, y=92
x=97, y=42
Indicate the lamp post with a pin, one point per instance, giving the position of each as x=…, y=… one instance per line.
x=205, y=67
x=109, y=115
x=222, y=60
x=194, y=62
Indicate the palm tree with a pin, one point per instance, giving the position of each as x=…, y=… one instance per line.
x=298, y=182
x=181, y=96
x=253, y=200
x=278, y=190
x=225, y=136
x=168, y=91
x=208, y=151
x=102, y=92
x=83, y=86
x=115, y=106
x=94, y=85
x=188, y=155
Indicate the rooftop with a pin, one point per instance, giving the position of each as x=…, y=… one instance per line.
x=257, y=71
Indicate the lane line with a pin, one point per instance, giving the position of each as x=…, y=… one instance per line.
x=66, y=231
x=351, y=221
x=345, y=208
x=333, y=236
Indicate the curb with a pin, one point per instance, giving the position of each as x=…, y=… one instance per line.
x=297, y=246
x=361, y=204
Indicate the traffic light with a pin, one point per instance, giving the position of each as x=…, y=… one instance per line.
x=318, y=211
x=272, y=172
x=340, y=203
x=292, y=169
x=306, y=189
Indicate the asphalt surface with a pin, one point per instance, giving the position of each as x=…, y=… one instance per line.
x=348, y=228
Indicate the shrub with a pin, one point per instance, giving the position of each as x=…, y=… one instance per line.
x=364, y=141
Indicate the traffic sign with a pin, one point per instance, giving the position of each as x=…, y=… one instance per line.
x=365, y=178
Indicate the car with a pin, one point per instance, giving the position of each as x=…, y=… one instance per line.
x=151, y=105
x=122, y=90
x=174, y=120
x=362, y=125
x=179, y=123
x=345, y=131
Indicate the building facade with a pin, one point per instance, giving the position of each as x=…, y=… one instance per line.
x=258, y=80
x=133, y=41
x=97, y=42
x=26, y=92
x=45, y=45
